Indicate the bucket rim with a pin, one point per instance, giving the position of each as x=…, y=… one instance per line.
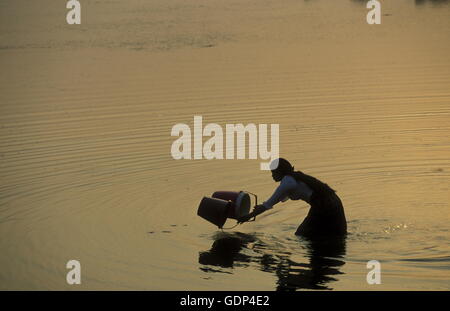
x=239, y=199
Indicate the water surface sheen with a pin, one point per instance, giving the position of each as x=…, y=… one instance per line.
x=86, y=113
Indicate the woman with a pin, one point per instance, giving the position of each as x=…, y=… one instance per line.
x=326, y=216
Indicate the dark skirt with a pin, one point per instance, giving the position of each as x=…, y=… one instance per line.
x=326, y=217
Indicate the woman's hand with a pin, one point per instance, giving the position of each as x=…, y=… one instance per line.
x=258, y=209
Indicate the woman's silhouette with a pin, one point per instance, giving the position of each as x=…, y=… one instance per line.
x=326, y=216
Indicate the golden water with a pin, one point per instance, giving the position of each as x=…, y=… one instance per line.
x=86, y=113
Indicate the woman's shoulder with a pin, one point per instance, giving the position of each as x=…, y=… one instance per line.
x=288, y=180
x=291, y=181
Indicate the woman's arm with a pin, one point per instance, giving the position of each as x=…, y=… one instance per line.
x=288, y=183
x=258, y=209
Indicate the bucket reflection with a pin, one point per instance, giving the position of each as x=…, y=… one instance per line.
x=323, y=259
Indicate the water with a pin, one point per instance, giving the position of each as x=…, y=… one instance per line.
x=86, y=114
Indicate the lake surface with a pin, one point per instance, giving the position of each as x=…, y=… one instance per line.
x=86, y=113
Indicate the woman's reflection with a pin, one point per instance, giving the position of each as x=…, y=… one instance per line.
x=238, y=249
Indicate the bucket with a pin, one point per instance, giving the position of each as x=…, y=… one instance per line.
x=214, y=210
x=240, y=202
